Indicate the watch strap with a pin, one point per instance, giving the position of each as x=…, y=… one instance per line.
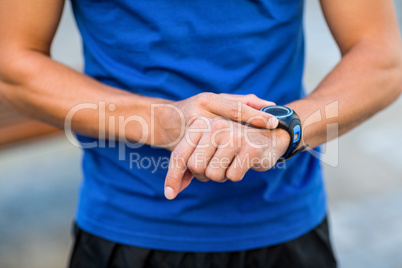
x=286, y=157
x=294, y=128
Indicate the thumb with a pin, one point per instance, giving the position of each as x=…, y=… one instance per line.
x=178, y=176
x=174, y=176
x=173, y=182
x=173, y=186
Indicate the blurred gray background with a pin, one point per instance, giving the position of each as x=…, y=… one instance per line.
x=39, y=180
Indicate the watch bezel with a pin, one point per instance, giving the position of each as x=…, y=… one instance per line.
x=289, y=122
x=289, y=110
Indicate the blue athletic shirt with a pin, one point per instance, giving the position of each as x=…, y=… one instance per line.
x=175, y=49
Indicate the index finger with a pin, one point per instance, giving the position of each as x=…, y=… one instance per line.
x=240, y=112
x=250, y=100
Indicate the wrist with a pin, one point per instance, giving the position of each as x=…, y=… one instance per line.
x=282, y=142
x=151, y=116
x=279, y=140
x=168, y=124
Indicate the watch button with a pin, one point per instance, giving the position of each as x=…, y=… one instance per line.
x=296, y=133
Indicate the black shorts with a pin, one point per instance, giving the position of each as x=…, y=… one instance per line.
x=310, y=250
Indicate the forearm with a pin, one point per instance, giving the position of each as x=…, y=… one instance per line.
x=366, y=80
x=37, y=86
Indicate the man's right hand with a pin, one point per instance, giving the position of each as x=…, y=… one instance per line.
x=174, y=118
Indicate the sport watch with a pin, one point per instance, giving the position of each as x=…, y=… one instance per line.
x=289, y=121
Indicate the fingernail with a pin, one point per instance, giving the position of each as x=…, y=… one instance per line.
x=169, y=193
x=273, y=122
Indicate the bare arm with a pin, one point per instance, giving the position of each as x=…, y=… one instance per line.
x=32, y=83
x=366, y=80
x=369, y=76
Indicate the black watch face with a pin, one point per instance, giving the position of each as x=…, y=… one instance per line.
x=278, y=111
